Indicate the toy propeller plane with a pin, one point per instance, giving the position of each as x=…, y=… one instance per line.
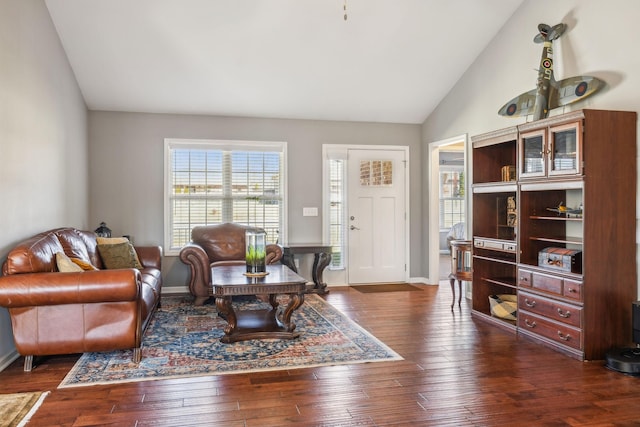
x=549, y=93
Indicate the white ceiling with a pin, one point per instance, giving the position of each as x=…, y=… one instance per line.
x=390, y=61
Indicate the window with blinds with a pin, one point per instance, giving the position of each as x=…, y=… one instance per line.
x=211, y=182
x=336, y=211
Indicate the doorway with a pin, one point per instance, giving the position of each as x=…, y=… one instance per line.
x=366, y=213
x=448, y=166
x=376, y=216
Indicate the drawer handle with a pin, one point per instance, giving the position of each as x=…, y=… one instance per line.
x=565, y=314
x=524, y=279
x=564, y=337
x=530, y=324
x=572, y=291
x=530, y=303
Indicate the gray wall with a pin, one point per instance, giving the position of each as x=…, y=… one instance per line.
x=43, y=136
x=126, y=173
x=601, y=41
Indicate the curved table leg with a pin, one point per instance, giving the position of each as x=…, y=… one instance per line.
x=295, y=301
x=224, y=306
x=320, y=261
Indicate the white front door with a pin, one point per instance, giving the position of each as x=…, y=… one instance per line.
x=376, y=219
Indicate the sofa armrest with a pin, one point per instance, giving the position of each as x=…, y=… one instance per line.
x=274, y=253
x=37, y=289
x=196, y=258
x=150, y=256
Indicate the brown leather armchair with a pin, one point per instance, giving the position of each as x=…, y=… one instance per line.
x=216, y=245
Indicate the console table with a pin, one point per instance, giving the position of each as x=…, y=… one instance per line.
x=321, y=259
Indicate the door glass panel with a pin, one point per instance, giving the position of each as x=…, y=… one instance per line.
x=533, y=160
x=564, y=150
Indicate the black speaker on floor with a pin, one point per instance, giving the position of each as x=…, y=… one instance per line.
x=627, y=360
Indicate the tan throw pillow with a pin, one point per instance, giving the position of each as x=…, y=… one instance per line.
x=85, y=265
x=119, y=255
x=111, y=240
x=65, y=265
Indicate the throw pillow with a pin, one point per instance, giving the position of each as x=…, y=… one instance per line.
x=85, y=265
x=119, y=255
x=64, y=263
x=111, y=240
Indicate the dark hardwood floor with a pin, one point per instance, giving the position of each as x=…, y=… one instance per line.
x=456, y=371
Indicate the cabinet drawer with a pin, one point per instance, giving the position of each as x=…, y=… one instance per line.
x=524, y=278
x=557, y=332
x=572, y=289
x=549, y=283
x=554, y=310
x=546, y=283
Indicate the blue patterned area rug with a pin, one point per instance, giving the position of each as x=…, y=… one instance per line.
x=184, y=341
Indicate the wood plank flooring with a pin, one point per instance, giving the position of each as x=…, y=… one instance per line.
x=457, y=371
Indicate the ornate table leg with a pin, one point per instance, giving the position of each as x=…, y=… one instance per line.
x=320, y=261
x=295, y=301
x=287, y=259
x=224, y=306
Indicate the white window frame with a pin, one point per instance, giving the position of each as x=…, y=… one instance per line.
x=332, y=152
x=231, y=145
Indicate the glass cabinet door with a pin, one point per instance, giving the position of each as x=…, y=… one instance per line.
x=532, y=154
x=564, y=149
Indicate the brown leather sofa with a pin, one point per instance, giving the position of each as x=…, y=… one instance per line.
x=216, y=245
x=75, y=312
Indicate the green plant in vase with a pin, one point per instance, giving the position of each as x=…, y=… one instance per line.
x=255, y=258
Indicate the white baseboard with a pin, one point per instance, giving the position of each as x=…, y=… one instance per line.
x=175, y=290
x=423, y=280
x=8, y=359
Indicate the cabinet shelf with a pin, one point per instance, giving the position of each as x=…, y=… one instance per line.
x=495, y=187
x=509, y=325
x=508, y=282
x=494, y=259
x=561, y=240
x=556, y=218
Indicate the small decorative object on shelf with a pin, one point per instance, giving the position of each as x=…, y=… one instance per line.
x=256, y=250
x=512, y=213
x=563, y=259
x=563, y=210
x=103, y=230
x=504, y=306
x=508, y=173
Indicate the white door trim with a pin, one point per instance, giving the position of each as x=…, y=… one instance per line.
x=434, y=198
x=325, y=199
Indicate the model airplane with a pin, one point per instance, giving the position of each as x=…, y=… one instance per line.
x=549, y=93
x=563, y=210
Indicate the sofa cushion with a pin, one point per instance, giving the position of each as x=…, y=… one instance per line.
x=73, y=244
x=111, y=240
x=84, y=265
x=120, y=255
x=65, y=265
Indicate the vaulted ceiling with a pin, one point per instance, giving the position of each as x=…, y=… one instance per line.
x=389, y=61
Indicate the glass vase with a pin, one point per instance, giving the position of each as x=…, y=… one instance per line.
x=256, y=251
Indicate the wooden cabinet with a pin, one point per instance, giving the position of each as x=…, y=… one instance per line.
x=494, y=220
x=575, y=194
x=550, y=150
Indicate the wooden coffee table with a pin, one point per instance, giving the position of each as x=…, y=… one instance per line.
x=230, y=280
